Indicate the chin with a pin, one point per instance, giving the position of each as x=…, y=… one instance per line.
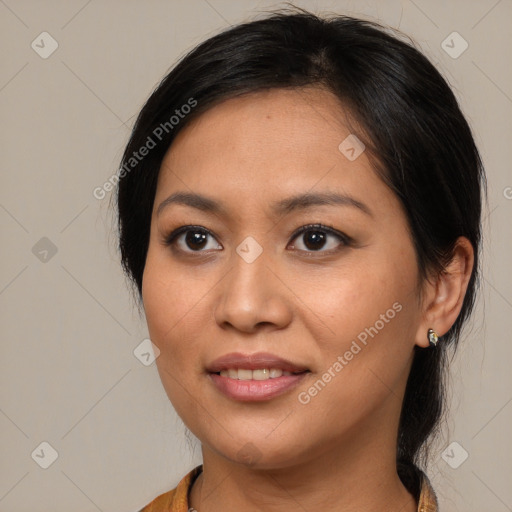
x=258, y=451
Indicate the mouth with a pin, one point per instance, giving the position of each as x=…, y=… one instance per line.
x=257, y=374
x=255, y=377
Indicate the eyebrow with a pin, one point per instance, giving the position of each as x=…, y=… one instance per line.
x=281, y=207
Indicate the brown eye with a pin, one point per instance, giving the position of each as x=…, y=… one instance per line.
x=191, y=239
x=195, y=240
x=314, y=238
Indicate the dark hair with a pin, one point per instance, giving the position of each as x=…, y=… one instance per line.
x=410, y=122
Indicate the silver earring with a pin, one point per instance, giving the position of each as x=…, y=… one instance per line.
x=433, y=338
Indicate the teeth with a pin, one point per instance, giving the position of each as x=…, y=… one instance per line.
x=263, y=374
x=259, y=374
x=244, y=374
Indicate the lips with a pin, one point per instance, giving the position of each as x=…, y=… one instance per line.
x=241, y=376
x=258, y=361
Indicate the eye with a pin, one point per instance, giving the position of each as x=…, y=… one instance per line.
x=314, y=237
x=192, y=237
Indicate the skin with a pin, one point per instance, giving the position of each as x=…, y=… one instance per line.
x=336, y=452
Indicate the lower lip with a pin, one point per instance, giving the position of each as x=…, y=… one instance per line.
x=256, y=390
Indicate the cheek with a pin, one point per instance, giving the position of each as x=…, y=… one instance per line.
x=365, y=362
x=371, y=313
x=358, y=294
x=168, y=304
x=167, y=295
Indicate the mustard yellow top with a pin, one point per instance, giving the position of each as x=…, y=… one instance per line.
x=177, y=499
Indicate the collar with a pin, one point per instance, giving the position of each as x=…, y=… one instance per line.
x=177, y=500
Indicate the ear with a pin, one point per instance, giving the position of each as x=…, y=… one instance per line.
x=443, y=295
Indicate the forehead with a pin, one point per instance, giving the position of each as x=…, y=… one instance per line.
x=268, y=144
x=302, y=119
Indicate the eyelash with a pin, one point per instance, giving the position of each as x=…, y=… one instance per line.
x=171, y=239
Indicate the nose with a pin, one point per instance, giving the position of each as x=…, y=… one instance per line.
x=252, y=296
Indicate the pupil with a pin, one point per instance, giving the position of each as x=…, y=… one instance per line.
x=195, y=238
x=317, y=238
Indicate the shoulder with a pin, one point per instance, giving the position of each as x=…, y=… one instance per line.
x=428, y=499
x=175, y=500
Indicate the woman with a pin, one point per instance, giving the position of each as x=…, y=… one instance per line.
x=299, y=209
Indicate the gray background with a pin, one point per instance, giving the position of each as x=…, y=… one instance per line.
x=68, y=373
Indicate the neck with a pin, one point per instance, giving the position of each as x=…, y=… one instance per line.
x=347, y=476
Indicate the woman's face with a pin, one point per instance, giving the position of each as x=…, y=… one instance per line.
x=340, y=305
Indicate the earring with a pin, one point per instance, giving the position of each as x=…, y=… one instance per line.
x=433, y=338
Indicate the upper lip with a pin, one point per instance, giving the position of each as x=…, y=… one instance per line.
x=255, y=361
